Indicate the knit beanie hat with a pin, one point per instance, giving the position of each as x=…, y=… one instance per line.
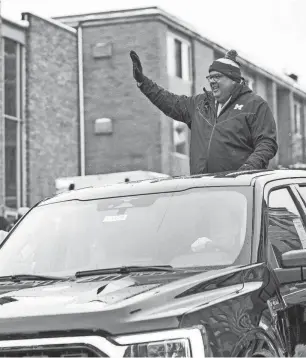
x=228, y=66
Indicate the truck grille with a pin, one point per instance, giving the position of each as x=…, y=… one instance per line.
x=81, y=346
x=51, y=351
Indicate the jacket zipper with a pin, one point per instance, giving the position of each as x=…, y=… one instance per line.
x=211, y=135
x=233, y=99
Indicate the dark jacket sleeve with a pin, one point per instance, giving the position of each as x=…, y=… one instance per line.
x=172, y=105
x=263, y=131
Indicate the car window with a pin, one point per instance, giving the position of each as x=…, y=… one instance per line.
x=302, y=191
x=195, y=227
x=286, y=230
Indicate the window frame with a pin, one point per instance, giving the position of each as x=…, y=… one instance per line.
x=178, y=58
x=186, y=57
x=19, y=119
x=290, y=192
x=297, y=188
x=291, y=185
x=297, y=120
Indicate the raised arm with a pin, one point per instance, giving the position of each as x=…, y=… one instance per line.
x=172, y=105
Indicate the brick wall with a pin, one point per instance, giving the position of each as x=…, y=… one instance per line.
x=142, y=136
x=2, y=161
x=110, y=91
x=52, y=107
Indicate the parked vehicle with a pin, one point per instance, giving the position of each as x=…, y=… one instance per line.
x=79, y=182
x=211, y=265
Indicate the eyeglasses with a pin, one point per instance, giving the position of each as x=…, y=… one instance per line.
x=214, y=78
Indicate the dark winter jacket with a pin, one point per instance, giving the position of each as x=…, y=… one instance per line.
x=244, y=133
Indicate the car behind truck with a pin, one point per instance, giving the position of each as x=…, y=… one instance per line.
x=78, y=182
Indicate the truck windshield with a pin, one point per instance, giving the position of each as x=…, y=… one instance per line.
x=196, y=227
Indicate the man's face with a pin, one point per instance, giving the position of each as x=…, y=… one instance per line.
x=221, y=86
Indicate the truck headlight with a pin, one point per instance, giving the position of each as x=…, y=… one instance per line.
x=186, y=342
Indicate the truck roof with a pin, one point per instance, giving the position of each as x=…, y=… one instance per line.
x=171, y=184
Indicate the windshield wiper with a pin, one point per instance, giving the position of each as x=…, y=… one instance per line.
x=24, y=277
x=124, y=270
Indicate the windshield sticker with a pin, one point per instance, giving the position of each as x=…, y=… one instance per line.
x=113, y=218
x=301, y=231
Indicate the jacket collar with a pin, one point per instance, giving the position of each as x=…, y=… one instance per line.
x=220, y=107
x=239, y=90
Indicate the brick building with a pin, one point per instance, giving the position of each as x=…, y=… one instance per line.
x=71, y=107
x=39, y=134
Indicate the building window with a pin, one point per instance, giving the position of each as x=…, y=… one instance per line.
x=297, y=117
x=13, y=123
x=179, y=57
x=11, y=163
x=10, y=77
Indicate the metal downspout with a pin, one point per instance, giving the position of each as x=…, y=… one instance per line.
x=81, y=100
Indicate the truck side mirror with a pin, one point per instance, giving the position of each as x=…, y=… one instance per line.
x=293, y=267
x=294, y=258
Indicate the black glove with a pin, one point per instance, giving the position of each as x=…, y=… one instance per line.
x=137, y=68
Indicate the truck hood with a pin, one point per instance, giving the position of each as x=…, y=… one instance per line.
x=115, y=303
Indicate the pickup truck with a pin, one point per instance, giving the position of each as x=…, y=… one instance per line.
x=200, y=266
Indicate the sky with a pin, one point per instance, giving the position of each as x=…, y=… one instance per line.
x=269, y=33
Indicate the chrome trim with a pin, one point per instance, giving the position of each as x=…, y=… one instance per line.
x=98, y=342
x=193, y=334
x=114, y=350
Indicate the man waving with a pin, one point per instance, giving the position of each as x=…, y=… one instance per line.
x=232, y=128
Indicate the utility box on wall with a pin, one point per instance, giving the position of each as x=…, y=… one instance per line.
x=103, y=126
x=102, y=50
